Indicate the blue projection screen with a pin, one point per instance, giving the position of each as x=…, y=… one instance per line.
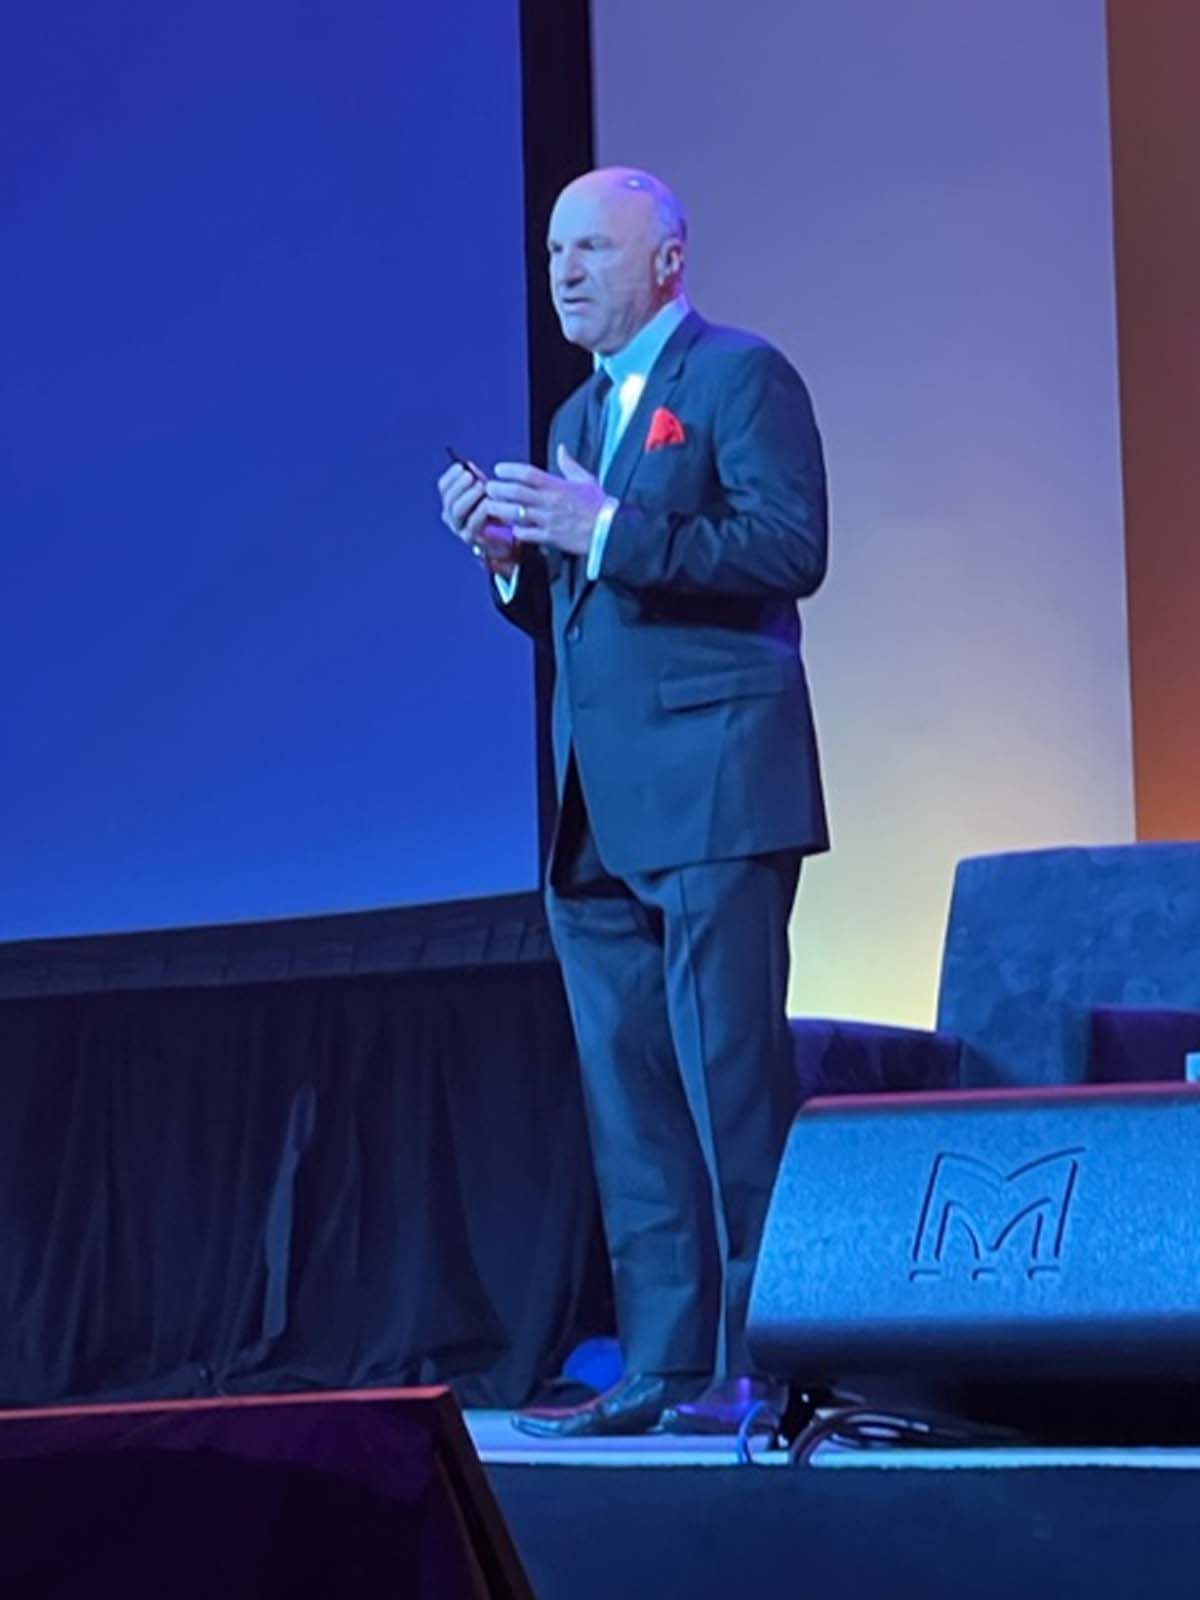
x=263, y=261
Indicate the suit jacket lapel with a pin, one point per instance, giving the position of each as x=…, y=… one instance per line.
x=664, y=375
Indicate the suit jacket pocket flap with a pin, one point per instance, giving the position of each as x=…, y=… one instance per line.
x=733, y=683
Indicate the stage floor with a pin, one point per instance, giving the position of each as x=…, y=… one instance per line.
x=681, y=1518
x=500, y=1444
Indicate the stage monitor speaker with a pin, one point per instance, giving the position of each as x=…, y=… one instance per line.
x=1031, y=1234
x=333, y=1495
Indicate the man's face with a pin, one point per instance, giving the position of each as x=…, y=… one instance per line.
x=604, y=244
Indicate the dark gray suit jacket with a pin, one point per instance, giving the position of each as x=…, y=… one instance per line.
x=679, y=687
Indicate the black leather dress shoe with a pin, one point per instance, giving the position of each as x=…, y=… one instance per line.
x=632, y=1406
x=725, y=1405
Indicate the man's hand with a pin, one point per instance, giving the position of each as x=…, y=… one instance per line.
x=465, y=513
x=543, y=508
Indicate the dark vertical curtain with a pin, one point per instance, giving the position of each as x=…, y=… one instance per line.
x=334, y=1182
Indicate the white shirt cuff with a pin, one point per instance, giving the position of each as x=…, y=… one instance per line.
x=506, y=587
x=600, y=529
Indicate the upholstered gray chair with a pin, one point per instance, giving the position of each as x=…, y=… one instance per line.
x=1059, y=966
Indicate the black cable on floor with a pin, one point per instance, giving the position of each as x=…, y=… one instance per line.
x=863, y=1428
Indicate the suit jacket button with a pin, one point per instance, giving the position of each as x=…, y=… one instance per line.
x=574, y=633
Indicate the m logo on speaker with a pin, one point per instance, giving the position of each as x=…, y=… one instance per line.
x=1019, y=1215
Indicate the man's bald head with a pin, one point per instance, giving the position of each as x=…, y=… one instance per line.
x=617, y=239
x=641, y=191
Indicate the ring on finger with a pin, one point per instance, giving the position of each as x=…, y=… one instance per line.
x=520, y=513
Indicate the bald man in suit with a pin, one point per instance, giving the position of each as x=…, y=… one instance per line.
x=663, y=556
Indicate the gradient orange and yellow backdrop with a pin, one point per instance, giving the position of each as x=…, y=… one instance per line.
x=1154, y=55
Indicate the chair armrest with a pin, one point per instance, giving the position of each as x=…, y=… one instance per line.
x=839, y=1057
x=1140, y=1044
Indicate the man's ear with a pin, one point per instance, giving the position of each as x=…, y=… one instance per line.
x=670, y=260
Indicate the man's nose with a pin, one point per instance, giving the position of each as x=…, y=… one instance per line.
x=570, y=271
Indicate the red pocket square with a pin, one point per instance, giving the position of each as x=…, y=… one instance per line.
x=665, y=429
